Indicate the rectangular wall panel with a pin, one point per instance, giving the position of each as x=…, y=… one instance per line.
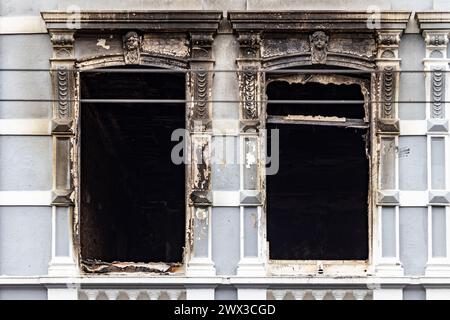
x=388, y=232
x=437, y=163
x=412, y=154
x=438, y=223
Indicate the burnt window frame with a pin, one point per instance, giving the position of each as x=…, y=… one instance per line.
x=126, y=267
x=323, y=266
x=100, y=266
x=174, y=40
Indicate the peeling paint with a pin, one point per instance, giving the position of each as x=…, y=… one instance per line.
x=200, y=213
x=96, y=266
x=102, y=43
x=254, y=219
x=250, y=156
x=315, y=118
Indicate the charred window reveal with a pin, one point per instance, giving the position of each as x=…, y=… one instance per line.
x=132, y=195
x=317, y=203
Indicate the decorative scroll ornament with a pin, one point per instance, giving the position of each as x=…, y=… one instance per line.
x=62, y=39
x=132, y=45
x=201, y=45
x=319, y=45
x=249, y=44
x=201, y=94
x=62, y=78
x=62, y=45
x=388, y=89
x=388, y=39
x=436, y=39
x=249, y=88
x=437, y=92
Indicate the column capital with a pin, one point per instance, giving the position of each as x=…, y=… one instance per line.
x=436, y=43
x=249, y=44
x=201, y=46
x=388, y=43
x=63, y=44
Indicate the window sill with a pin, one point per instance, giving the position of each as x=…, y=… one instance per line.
x=324, y=268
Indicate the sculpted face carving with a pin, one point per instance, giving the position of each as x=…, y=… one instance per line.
x=131, y=46
x=319, y=43
x=131, y=41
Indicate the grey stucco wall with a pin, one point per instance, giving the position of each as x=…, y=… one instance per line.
x=25, y=51
x=23, y=293
x=25, y=240
x=225, y=241
x=25, y=162
x=412, y=52
x=413, y=240
x=412, y=162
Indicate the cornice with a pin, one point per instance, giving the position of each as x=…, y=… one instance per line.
x=433, y=20
x=154, y=21
x=294, y=21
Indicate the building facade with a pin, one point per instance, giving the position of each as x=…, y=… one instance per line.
x=248, y=149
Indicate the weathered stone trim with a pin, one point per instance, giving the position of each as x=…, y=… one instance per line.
x=173, y=40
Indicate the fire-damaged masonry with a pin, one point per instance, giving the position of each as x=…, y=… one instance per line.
x=182, y=41
x=313, y=40
x=123, y=81
x=176, y=41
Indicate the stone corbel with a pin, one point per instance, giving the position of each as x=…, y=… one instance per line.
x=63, y=75
x=62, y=42
x=250, y=78
x=436, y=43
x=63, y=78
x=201, y=47
x=249, y=44
x=436, y=66
x=388, y=64
x=201, y=64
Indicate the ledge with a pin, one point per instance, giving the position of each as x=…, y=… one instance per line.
x=156, y=21
x=179, y=281
x=284, y=21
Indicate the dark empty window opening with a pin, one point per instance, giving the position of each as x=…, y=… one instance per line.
x=316, y=91
x=317, y=203
x=132, y=206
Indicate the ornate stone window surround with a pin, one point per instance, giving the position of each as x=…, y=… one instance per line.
x=174, y=40
x=271, y=41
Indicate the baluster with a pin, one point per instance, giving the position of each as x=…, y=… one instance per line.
x=299, y=294
x=338, y=294
x=91, y=294
x=279, y=294
x=112, y=294
x=174, y=294
x=153, y=294
x=359, y=294
x=319, y=294
x=133, y=294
